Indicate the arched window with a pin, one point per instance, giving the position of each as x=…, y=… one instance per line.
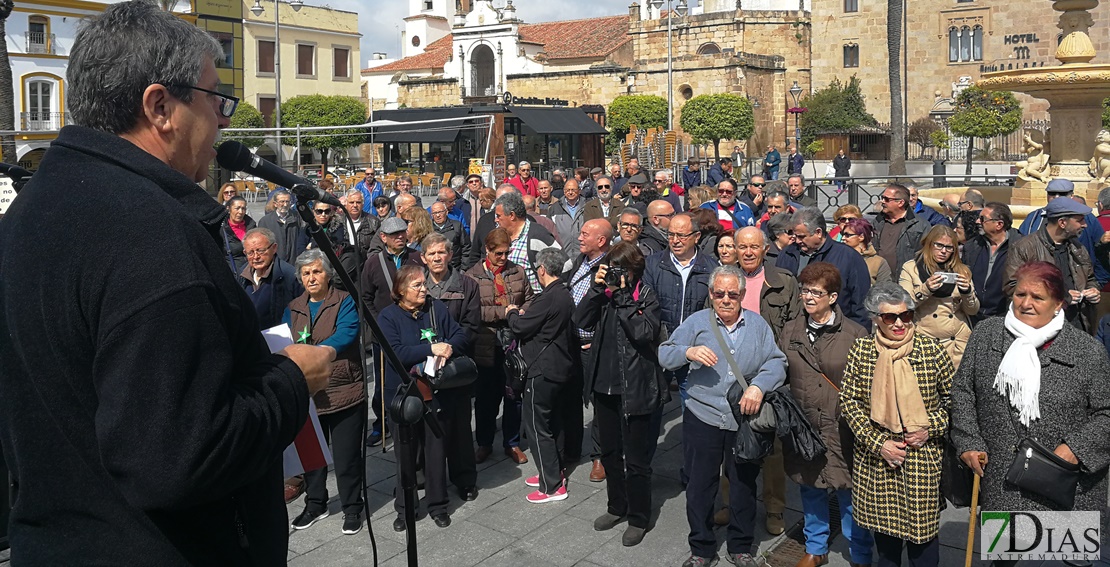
x=977, y=43
x=965, y=44
x=709, y=49
x=41, y=104
x=483, y=75
x=953, y=45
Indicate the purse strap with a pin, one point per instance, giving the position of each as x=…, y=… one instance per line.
x=726, y=352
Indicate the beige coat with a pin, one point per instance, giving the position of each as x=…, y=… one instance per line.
x=946, y=319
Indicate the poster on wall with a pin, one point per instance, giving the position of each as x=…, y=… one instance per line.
x=7, y=194
x=498, y=169
x=475, y=166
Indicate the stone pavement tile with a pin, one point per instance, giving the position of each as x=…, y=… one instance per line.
x=517, y=517
x=460, y=545
x=565, y=540
x=661, y=547
x=590, y=508
x=667, y=463
x=517, y=555
x=349, y=551
x=505, y=477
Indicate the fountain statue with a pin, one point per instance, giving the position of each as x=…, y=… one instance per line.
x=1100, y=164
x=1074, y=90
x=1035, y=168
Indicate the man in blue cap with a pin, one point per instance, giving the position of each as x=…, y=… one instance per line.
x=1090, y=236
x=1057, y=242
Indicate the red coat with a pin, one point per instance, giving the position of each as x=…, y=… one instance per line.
x=528, y=186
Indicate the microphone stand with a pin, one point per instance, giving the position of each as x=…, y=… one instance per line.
x=407, y=409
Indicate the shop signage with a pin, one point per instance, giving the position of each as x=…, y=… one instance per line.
x=546, y=101
x=499, y=168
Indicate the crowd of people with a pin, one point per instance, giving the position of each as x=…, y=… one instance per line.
x=618, y=291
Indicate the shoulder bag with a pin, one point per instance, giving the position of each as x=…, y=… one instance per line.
x=1037, y=469
x=516, y=367
x=764, y=421
x=458, y=371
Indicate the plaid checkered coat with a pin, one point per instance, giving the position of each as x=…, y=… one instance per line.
x=903, y=502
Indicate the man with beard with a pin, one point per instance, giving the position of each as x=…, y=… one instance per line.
x=604, y=206
x=654, y=235
x=732, y=214
x=569, y=214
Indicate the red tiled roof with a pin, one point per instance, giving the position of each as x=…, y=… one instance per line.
x=576, y=39
x=434, y=57
x=568, y=39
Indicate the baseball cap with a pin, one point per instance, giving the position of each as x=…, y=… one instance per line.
x=1060, y=186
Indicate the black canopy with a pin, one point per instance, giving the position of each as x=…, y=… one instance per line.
x=433, y=133
x=561, y=120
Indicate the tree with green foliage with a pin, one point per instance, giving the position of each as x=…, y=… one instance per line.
x=716, y=117
x=644, y=111
x=322, y=110
x=984, y=114
x=838, y=107
x=1106, y=113
x=246, y=116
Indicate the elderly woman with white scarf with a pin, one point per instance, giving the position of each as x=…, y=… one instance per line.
x=1032, y=375
x=894, y=395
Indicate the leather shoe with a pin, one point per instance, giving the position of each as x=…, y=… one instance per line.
x=468, y=494
x=632, y=536
x=293, y=491
x=399, y=523
x=775, y=524
x=811, y=560
x=516, y=455
x=597, y=473
x=482, y=454
x=721, y=517
x=859, y=564
x=442, y=520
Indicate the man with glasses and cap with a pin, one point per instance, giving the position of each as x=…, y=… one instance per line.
x=370, y=188
x=1089, y=237
x=636, y=188
x=1057, y=242
x=731, y=213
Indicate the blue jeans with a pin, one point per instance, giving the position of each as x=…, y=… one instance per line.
x=815, y=507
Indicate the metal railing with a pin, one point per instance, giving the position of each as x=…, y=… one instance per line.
x=42, y=121
x=858, y=191
x=39, y=43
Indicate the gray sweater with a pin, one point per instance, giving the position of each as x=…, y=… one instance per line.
x=759, y=359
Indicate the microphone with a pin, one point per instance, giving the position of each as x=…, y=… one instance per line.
x=237, y=157
x=13, y=171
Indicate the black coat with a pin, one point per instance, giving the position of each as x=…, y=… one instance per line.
x=678, y=301
x=142, y=413
x=290, y=235
x=976, y=255
x=853, y=272
x=546, y=333
x=233, y=247
x=627, y=329
x=364, y=236
x=453, y=231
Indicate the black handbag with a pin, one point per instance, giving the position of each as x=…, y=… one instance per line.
x=516, y=368
x=1037, y=469
x=459, y=370
x=956, y=479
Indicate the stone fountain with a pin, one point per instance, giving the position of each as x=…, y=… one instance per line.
x=1075, y=90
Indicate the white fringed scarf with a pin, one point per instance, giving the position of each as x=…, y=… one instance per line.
x=1019, y=375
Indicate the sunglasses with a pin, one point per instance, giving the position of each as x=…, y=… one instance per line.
x=847, y=234
x=635, y=186
x=322, y=211
x=758, y=184
x=604, y=186
x=890, y=318
x=733, y=295
x=725, y=192
x=886, y=199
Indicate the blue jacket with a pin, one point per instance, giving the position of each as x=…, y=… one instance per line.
x=403, y=332
x=273, y=295
x=690, y=179
x=368, y=195
x=796, y=163
x=773, y=160
x=1090, y=238
x=853, y=273
x=742, y=215
x=716, y=175
x=930, y=215
x=679, y=302
x=1104, y=332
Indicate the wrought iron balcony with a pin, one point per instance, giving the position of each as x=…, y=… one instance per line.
x=43, y=121
x=40, y=43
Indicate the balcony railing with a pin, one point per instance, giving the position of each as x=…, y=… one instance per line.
x=40, y=42
x=43, y=121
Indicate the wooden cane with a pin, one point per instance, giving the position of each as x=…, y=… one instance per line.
x=973, y=520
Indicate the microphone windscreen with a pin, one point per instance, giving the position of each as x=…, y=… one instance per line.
x=233, y=155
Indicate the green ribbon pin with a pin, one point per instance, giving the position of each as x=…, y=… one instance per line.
x=304, y=335
x=427, y=335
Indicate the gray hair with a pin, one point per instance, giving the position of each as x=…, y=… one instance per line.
x=975, y=198
x=263, y=232
x=308, y=257
x=780, y=223
x=669, y=175
x=800, y=177
x=124, y=50
x=888, y=293
x=523, y=163
x=353, y=192
x=435, y=238
x=552, y=259
x=457, y=182
x=512, y=204
x=633, y=211
x=811, y=217
x=776, y=195
x=559, y=171
x=1104, y=198
x=726, y=270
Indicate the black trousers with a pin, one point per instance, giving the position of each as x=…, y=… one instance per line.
x=434, y=450
x=626, y=446
x=375, y=360
x=455, y=406
x=595, y=436
x=569, y=418
x=921, y=554
x=489, y=393
x=540, y=398
x=704, y=447
x=343, y=432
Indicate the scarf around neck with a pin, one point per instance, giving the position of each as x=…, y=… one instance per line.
x=896, y=402
x=1019, y=376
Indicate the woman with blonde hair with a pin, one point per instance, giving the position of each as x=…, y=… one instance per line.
x=941, y=286
x=842, y=217
x=420, y=225
x=698, y=195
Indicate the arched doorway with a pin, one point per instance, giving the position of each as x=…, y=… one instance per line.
x=483, y=72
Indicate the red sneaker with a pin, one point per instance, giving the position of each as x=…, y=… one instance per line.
x=538, y=497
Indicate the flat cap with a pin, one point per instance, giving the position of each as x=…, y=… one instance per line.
x=639, y=179
x=394, y=224
x=1065, y=206
x=1060, y=186
x=596, y=171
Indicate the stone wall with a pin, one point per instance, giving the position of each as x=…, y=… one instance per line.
x=424, y=93
x=1016, y=33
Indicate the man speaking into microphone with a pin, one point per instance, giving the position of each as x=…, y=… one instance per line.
x=142, y=415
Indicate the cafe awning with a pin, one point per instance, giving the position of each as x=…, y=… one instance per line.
x=559, y=120
x=427, y=133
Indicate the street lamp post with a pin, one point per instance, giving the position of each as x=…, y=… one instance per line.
x=796, y=92
x=257, y=10
x=682, y=8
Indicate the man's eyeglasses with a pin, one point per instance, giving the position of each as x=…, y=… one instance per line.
x=726, y=192
x=890, y=318
x=228, y=103
x=889, y=199
x=733, y=295
x=814, y=293
x=635, y=186
x=258, y=252
x=675, y=235
x=629, y=226
x=758, y=184
x=475, y=181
